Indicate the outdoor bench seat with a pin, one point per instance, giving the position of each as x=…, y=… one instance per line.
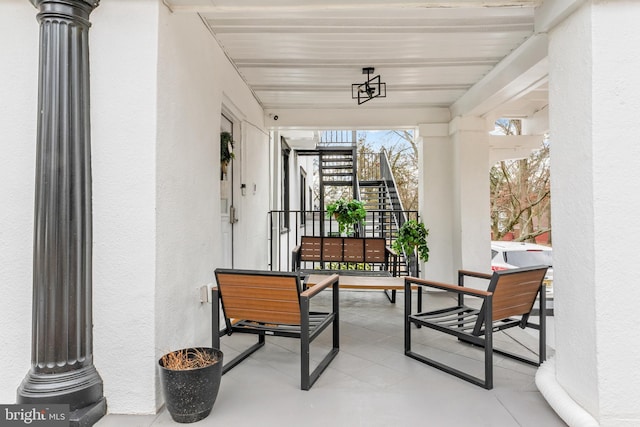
x=347, y=256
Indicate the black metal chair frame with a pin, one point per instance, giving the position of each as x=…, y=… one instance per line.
x=312, y=324
x=469, y=324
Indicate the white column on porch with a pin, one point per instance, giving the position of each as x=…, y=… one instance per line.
x=455, y=195
x=594, y=83
x=471, y=226
x=436, y=199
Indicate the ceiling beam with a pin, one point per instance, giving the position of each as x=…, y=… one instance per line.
x=350, y=118
x=295, y=6
x=521, y=71
x=335, y=88
x=381, y=62
x=551, y=13
x=220, y=28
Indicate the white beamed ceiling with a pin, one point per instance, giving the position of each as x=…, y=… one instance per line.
x=305, y=54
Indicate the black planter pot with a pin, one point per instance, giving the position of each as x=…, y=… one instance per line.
x=412, y=263
x=190, y=394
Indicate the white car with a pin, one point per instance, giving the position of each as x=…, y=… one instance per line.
x=506, y=255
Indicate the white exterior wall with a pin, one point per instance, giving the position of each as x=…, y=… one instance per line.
x=158, y=83
x=123, y=123
x=594, y=158
x=18, y=114
x=187, y=186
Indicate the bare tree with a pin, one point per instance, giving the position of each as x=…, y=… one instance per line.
x=520, y=191
x=402, y=153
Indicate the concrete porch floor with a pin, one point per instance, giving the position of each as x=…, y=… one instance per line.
x=371, y=382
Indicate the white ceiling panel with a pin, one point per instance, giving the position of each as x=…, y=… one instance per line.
x=307, y=54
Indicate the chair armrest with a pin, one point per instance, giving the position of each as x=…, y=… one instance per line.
x=474, y=274
x=323, y=284
x=295, y=258
x=445, y=286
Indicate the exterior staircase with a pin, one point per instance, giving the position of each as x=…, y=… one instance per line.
x=373, y=183
x=337, y=168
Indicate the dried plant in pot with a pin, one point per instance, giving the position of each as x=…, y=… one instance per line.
x=190, y=380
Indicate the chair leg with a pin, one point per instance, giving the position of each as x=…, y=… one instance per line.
x=248, y=352
x=407, y=323
x=307, y=379
x=488, y=359
x=304, y=345
x=486, y=382
x=542, y=331
x=392, y=297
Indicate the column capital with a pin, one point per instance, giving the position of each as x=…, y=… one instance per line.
x=66, y=9
x=426, y=130
x=470, y=123
x=91, y=3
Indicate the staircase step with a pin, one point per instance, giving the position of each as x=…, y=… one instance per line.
x=340, y=168
x=327, y=175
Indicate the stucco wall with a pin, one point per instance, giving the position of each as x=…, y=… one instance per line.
x=18, y=114
x=123, y=49
x=616, y=109
x=187, y=190
x=594, y=158
x=572, y=213
x=195, y=80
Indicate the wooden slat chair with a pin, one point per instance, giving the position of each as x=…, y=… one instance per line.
x=506, y=303
x=271, y=303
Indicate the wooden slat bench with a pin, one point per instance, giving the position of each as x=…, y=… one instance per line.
x=367, y=255
x=361, y=262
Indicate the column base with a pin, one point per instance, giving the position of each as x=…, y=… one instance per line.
x=89, y=415
x=81, y=389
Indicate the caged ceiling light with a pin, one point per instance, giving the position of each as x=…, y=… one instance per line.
x=371, y=88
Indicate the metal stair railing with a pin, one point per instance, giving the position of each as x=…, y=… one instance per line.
x=397, y=210
x=390, y=183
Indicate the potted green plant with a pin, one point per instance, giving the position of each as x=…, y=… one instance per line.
x=347, y=213
x=412, y=239
x=190, y=380
x=226, y=147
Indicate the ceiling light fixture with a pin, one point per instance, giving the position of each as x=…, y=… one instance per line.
x=371, y=88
